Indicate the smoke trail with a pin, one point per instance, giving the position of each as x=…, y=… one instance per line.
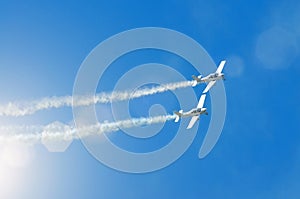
x=60, y=132
x=28, y=108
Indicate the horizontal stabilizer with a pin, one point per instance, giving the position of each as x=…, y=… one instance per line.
x=194, y=83
x=178, y=115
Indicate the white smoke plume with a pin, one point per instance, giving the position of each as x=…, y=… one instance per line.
x=57, y=131
x=27, y=108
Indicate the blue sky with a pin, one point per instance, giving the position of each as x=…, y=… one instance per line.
x=42, y=46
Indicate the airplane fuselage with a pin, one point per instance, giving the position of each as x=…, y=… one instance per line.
x=212, y=77
x=194, y=112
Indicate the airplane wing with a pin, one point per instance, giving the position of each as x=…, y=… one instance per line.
x=192, y=122
x=221, y=66
x=195, y=118
x=209, y=85
x=201, y=101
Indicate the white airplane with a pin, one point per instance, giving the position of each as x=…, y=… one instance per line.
x=211, y=78
x=194, y=113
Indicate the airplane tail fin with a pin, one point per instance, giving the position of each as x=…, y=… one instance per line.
x=178, y=115
x=197, y=78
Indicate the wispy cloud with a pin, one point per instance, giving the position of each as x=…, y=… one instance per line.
x=17, y=109
x=277, y=46
x=57, y=131
x=235, y=66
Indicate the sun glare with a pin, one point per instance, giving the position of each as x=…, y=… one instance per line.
x=13, y=157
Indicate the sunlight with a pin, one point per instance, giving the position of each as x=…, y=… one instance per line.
x=13, y=157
